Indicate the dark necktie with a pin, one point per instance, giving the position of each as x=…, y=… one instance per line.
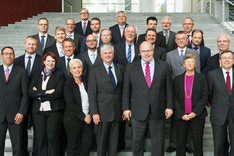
x=188, y=40
x=42, y=42
x=195, y=48
x=129, y=53
x=29, y=65
x=68, y=67
x=228, y=83
x=84, y=28
x=147, y=74
x=182, y=56
x=111, y=75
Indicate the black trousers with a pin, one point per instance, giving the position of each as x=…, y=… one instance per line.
x=16, y=136
x=107, y=135
x=197, y=128
x=48, y=128
x=78, y=133
x=220, y=136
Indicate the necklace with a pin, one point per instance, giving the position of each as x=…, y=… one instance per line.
x=186, y=87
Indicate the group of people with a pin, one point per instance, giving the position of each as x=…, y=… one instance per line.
x=84, y=83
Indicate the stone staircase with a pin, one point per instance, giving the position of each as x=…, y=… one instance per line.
x=14, y=35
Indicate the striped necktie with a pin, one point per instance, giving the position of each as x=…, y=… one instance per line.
x=147, y=74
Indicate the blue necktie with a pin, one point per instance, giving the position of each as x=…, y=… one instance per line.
x=29, y=65
x=42, y=42
x=129, y=53
x=181, y=56
x=195, y=48
x=111, y=75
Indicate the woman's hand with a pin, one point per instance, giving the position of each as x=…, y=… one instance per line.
x=50, y=91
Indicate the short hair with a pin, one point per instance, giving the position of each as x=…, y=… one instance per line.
x=150, y=29
x=51, y=54
x=70, y=19
x=226, y=51
x=130, y=25
x=69, y=40
x=180, y=32
x=107, y=46
x=120, y=12
x=151, y=18
x=189, y=56
x=9, y=48
x=188, y=18
x=197, y=30
x=59, y=28
x=31, y=37
x=105, y=30
x=166, y=17
x=85, y=9
x=43, y=18
x=97, y=19
x=75, y=60
x=222, y=34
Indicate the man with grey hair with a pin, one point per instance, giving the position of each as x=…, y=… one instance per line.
x=118, y=29
x=168, y=34
x=105, y=99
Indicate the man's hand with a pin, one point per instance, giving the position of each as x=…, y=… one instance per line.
x=50, y=91
x=18, y=118
x=185, y=117
x=88, y=118
x=168, y=113
x=192, y=115
x=96, y=119
x=127, y=114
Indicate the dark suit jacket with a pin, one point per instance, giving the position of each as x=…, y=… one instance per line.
x=219, y=97
x=13, y=94
x=171, y=45
x=79, y=30
x=199, y=96
x=37, y=64
x=56, y=82
x=116, y=36
x=204, y=58
x=213, y=62
x=160, y=40
x=72, y=97
x=84, y=47
x=53, y=49
x=78, y=40
x=120, y=54
x=49, y=42
x=103, y=99
x=138, y=98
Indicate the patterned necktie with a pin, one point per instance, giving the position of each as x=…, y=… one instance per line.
x=129, y=53
x=111, y=75
x=68, y=67
x=188, y=43
x=182, y=56
x=84, y=28
x=42, y=42
x=7, y=74
x=69, y=36
x=147, y=74
x=29, y=65
x=228, y=84
x=166, y=36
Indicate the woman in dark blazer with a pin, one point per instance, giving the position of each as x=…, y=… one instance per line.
x=77, y=120
x=46, y=88
x=191, y=97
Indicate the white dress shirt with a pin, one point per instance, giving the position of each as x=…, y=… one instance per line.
x=151, y=65
x=112, y=69
x=225, y=75
x=84, y=99
x=60, y=50
x=132, y=50
x=45, y=38
x=26, y=60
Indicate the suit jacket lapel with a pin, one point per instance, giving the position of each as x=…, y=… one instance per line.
x=2, y=74
x=222, y=80
x=117, y=73
x=12, y=73
x=36, y=64
x=157, y=70
x=232, y=81
x=141, y=74
x=177, y=56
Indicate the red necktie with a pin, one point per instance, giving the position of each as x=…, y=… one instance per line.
x=7, y=74
x=147, y=74
x=188, y=40
x=228, y=83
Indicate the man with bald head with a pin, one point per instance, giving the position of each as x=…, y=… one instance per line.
x=223, y=43
x=147, y=99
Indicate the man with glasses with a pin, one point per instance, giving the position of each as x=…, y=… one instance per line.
x=83, y=27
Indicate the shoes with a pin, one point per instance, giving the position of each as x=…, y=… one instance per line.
x=188, y=149
x=170, y=149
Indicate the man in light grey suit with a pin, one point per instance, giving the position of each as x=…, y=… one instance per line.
x=44, y=40
x=175, y=60
x=221, y=98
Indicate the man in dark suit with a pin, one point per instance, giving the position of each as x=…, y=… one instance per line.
x=221, y=95
x=147, y=99
x=203, y=52
x=223, y=43
x=13, y=101
x=95, y=26
x=118, y=29
x=44, y=40
x=32, y=62
x=105, y=97
x=151, y=22
x=56, y=48
x=168, y=34
x=70, y=26
x=83, y=27
x=159, y=52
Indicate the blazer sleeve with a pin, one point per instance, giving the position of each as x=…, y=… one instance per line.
x=127, y=87
x=169, y=89
x=210, y=86
x=179, y=112
x=35, y=94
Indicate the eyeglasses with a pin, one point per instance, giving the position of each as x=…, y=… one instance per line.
x=8, y=54
x=89, y=41
x=146, y=51
x=226, y=58
x=43, y=24
x=84, y=13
